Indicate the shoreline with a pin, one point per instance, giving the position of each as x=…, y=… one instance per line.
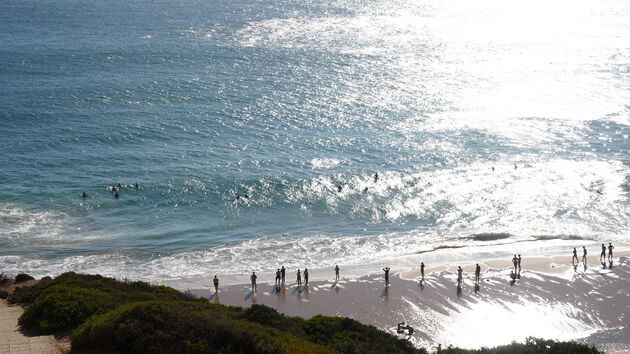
x=551, y=299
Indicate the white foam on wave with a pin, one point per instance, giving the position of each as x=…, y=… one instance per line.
x=19, y=226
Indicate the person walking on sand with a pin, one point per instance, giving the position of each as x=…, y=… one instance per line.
x=518, y=261
x=278, y=277
x=336, y=273
x=610, y=251
x=584, y=255
x=603, y=255
x=253, y=278
x=515, y=262
x=477, y=273
x=299, y=279
x=422, y=270
x=282, y=272
x=575, y=258
x=305, y=277
x=216, y=284
x=386, y=270
x=460, y=275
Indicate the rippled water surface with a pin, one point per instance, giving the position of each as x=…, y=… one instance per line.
x=479, y=117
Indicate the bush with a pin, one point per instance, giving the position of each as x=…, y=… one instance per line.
x=66, y=301
x=531, y=346
x=184, y=327
x=22, y=277
x=349, y=336
x=3, y=294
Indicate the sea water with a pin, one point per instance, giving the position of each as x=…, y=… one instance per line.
x=487, y=121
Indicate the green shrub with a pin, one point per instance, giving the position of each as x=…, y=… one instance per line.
x=3, y=294
x=349, y=336
x=66, y=301
x=183, y=327
x=531, y=346
x=61, y=307
x=22, y=277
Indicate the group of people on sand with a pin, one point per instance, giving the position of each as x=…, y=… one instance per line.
x=515, y=273
x=114, y=188
x=602, y=256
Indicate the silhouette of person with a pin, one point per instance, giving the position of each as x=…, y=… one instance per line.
x=513, y=277
x=515, y=167
x=515, y=262
x=216, y=284
x=492, y=168
x=518, y=262
x=253, y=278
x=584, y=255
x=460, y=273
x=603, y=255
x=136, y=185
x=610, y=251
x=282, y=272
x=386, y=270
x=336, y=273
x=365, y=190
x=116, y=195
x=575, y=257
x=278, y=277
x=305, y=277
x=84, y=195
x=376, y=177
x=477, y=273
x=422, y=269
x=299, y=278
x=339, y=188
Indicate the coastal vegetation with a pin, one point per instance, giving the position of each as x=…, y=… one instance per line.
x=107, y=315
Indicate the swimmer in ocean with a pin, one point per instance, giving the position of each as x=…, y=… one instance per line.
x=84, y=195
x=116, y=195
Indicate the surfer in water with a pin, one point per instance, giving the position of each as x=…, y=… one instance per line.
x=85, y=195
x=116, y=195
x=339, y=188
x=376, y=177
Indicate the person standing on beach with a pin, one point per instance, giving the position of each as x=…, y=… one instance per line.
x=518, y=261
x=299, y=279
x=460, y=275
x=584, y=255
x=216, y=284
x=422, y=269
x=305, y=277
x=336, y=273
x=610, y=251
x=515, y=262
x=278, y=277
x=282, y=272
x=575, y=258
x=477, y=273
x=253, y=278
x=603, y=255
x=386, y=270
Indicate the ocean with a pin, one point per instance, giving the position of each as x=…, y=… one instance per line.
x=486, y=122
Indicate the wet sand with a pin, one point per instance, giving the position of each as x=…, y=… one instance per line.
x=550, y=299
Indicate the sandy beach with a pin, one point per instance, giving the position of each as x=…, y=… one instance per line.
x=550, y=298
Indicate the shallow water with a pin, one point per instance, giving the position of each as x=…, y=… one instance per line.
x=284, y=101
